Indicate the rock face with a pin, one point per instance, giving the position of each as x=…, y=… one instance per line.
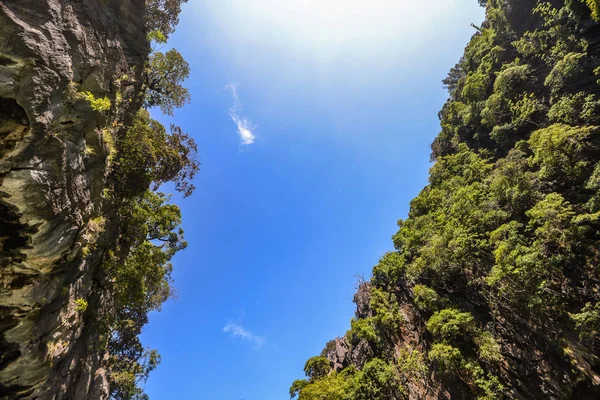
x=54, y=157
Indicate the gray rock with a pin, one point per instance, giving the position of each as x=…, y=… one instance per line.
x=53, y=169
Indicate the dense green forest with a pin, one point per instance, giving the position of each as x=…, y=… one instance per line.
x=492, y=290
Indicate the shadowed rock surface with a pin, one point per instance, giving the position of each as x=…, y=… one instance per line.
x=53, y=167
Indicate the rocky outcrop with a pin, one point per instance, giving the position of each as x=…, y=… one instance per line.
x=54, y=162
x=533, y=363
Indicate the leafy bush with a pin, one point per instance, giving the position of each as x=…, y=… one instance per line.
x=386, y=317
x=297, y=387
x=81, y=304
x=98, y=104
x=377, y=381
x=140, y=271
x=447, y=357
x=164, y=77
x=450, y=324
x=587, y=320
x=488, y=347
x=511, y=80
x=333, y=387
x=425, y=297
x=316, y=368
x=565, y=72
x=475, y=86
x=560, y=150
x=362, y=329
x=411, y=364
x=149, y=156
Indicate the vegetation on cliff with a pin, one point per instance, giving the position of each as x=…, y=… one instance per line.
x=492, y=291
x=143, y=155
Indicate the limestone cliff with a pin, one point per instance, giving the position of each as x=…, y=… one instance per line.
x=53, y=169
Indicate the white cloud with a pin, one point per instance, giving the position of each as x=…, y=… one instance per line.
x=244, y=126
x=238, y=331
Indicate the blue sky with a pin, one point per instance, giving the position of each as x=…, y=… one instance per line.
x=313, y=120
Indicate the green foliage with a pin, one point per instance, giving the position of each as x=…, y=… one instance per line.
x=164, y=77
x=389, y=268
x=593, y=185
x=141, y=277
x=411, y=364
x=109, y=144
x=316, y=368
x=378, y=380
x=565, y=72
x=329, y=347
x=488, y=347
x=297, y=387
x=560, y=150
x=426, y=298
x=525, y=109
x=488, y=385
x=475, y=86
x=98, y=104
x=447, y=357
x=587, y=320
x=579, y=7
x=81, y=304
x=511, y=80
x=126, y=378
x=156, y=36
x=362, y=329
x=450, y=324
x=576, y=109
x=454, y=78
x=534, y=257
x=594, y=6
x=336, y=386
x=149, y=156
x=567, y=109
x=145, y=231
x=386, y=314
x=94, y=228
x=162, y=15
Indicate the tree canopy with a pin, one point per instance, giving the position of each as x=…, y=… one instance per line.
x=165, y=74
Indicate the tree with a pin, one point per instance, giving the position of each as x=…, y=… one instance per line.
x=140, y=271
x=163, y=15
x=296, y=387
x=378, y=381
x=148, y=155
x=316, y=368
x=456, y=74
x=164, y=76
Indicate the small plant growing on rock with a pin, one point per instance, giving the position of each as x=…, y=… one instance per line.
x=89, y=151
x=98, y=104
x=109, y=143
x=81, y=304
